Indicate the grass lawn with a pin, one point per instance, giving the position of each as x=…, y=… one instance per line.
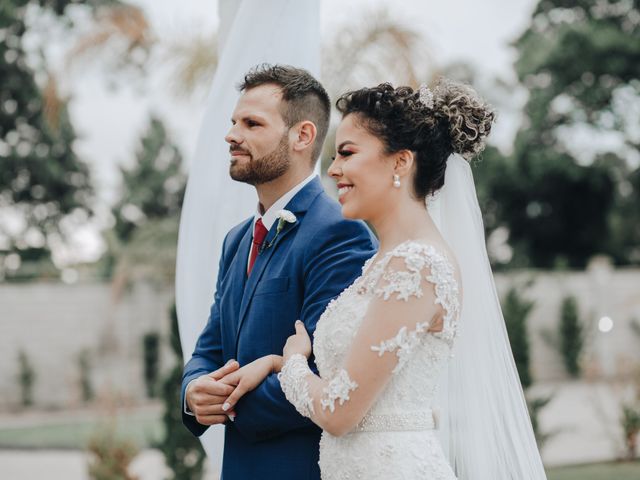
x=600, y=471
x=141, y=427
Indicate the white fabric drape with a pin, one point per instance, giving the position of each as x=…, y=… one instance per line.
x=251, y=32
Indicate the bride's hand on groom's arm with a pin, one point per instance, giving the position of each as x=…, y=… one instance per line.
x=253, y=374
x=300, y=343
x=206, y=395
x=249, y=377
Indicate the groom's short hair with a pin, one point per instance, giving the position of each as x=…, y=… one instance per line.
x=304, y=97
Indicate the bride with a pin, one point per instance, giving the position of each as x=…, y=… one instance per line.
x=403, y=339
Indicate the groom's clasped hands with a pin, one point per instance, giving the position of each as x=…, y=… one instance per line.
x=206, y=395
x=212, y=397
x=253, y=374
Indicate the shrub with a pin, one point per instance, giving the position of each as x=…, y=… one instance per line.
x=516, y=309
x=84, y=365
x=631, y=425
x=183, y=452
x=112, y=456
x=151, y=352
x=571, y=336
x=26, y=379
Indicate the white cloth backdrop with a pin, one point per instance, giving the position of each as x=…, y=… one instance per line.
x=251, y=32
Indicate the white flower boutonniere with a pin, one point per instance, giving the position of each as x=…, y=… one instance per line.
x=284, y=217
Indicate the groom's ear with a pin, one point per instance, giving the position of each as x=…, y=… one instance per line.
x=302, y=135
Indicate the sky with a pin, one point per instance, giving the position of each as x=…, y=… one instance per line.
x=110, y=122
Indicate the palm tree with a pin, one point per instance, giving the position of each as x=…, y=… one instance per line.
x=121, y=27
x=378, y=49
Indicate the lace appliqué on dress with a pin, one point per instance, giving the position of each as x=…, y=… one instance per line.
x=403, y=344
x=293, y=382
x=406, y=284
x=338, y=389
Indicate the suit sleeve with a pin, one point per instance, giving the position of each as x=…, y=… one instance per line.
x=265, y=412
x=207, y=355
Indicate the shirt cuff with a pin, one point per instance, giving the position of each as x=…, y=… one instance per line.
x=185, y=407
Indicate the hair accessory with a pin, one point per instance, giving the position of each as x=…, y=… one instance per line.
x=396, y=181
x=425, y=96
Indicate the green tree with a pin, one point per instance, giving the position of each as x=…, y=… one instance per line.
x=142, y=242
x=84, y=366
x=26, y=379
x=562, y=204
x=42, y=180
x=630, y=422
x=516, y=309
x=154, y=186
x=535, y=406
x=183, y=452
x=151, y=354
x=571, y=335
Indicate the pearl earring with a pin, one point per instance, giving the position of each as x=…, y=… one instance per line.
x=396, y=181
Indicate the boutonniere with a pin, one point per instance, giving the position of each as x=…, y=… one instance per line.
x=284, y=217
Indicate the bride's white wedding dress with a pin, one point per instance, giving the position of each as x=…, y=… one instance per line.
x=378, y=362
x=397, y=437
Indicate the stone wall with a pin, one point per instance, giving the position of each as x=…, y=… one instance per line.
x=600, y=292
x=53, y=322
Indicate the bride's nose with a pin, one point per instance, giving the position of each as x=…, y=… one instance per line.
x=334, y=170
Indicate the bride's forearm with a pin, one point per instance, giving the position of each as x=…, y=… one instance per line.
x=276, y=363
x=328, y=403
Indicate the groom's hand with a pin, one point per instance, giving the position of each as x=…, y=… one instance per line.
x=206, y=394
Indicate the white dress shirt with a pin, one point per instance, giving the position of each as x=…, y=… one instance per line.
x=271, y=215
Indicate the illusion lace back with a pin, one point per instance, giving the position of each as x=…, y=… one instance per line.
x=397, y=437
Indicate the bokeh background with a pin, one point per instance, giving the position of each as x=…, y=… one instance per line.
x=100, y=106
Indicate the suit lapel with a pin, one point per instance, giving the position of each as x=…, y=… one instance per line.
x=298, y=205
x=238, y=274
x=261, y=263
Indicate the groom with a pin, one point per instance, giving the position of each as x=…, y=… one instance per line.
x=284, y=263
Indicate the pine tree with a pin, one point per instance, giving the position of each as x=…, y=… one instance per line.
x=154, y=186
x=571, y=336
x=151, y=360
x=26, y=379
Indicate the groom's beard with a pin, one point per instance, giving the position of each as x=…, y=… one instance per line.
x=265, y=169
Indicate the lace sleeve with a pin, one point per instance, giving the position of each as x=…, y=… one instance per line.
x=403, y=278
x=412, y=287
x=293, y=381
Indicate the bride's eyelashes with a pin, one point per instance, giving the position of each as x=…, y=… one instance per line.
x=342, y=153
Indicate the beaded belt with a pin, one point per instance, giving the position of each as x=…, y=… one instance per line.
x=397, y=422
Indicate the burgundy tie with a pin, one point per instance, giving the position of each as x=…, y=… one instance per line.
x=259, y=232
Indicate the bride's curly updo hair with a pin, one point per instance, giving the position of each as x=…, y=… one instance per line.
x=453, y=120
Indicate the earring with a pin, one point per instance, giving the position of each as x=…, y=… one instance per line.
x=396, y=181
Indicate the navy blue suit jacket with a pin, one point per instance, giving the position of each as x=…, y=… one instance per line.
x=310, y=262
